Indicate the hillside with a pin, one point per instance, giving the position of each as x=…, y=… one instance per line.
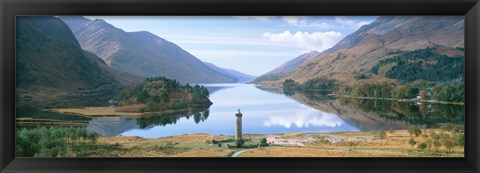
x=124, y=78
x=140, y=53
x=52, y=67
x=292, y=64
x=350, y=61
x=241, y=77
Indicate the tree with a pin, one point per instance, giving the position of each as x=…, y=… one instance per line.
x=460, y=140
x=401, y=92
x=448, y=145
x=197, y=117
x=436, y=142
x=239, y=142
x=412, y=92
x=414, y=130
x=151, y=106
x=345, y=89
x=412, y=142
x=142, y=96
x=263, y=141
x=289, y=84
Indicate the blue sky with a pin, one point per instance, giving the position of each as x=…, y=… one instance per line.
x=249, y=44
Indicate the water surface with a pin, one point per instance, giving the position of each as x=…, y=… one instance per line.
x=272, y=112
x=263, y=113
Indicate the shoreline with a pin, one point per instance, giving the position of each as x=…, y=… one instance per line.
x=92, y=112
x=400, y=100
x=371, y=98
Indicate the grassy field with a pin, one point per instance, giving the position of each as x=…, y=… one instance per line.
x=179, y=146
x=396, y=144
x=348, y=144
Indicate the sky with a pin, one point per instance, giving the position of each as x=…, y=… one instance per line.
x=249, y=44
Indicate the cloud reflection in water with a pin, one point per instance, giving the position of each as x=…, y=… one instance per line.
x=305, y=118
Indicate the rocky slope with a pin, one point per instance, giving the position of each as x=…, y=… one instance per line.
x=52, y=67
x=292, y=64
x=385, y=38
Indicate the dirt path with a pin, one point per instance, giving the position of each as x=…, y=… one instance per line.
x=239, y=152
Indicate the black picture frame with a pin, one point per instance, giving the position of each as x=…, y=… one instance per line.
x=11, y=8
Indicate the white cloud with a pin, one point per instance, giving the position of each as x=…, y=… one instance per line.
x=260, y=18
x=305, y=118
x=294, y=20
x=318, y=41
x=302, y=21
x=349, y=23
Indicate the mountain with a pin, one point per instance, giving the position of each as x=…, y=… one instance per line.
x=290, y=65
x=140, y=53
x=124, y=78
x=241, y=77
x=387, y=37
x=51, y=64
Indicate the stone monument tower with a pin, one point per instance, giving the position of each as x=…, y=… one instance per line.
x=238, y=130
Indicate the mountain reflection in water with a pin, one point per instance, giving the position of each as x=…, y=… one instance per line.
x=267, y=111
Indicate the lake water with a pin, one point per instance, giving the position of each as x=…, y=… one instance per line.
x=270, y=112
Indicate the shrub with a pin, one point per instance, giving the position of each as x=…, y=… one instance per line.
x=214, y=141
x=382, y=135
x=412, y=142
x=437, y=144
x=414, y=130
x=422, y=146
x=448, y=145
x=429, y=143
x=460, y=140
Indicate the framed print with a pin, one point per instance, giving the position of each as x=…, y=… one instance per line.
x=278, y=86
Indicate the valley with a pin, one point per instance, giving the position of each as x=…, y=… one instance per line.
x=391, y=88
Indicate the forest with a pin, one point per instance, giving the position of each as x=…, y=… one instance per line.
x=320, y=84
x=54, y=141
x=422, y=64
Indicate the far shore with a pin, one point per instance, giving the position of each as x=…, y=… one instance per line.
x=372, y=98
x=112, y=111
x=400, y=100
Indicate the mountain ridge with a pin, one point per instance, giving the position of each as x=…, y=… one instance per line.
x=52, y=67
x=141, y=53
x=386, y=37
x=293, y=63
x=241, y=77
